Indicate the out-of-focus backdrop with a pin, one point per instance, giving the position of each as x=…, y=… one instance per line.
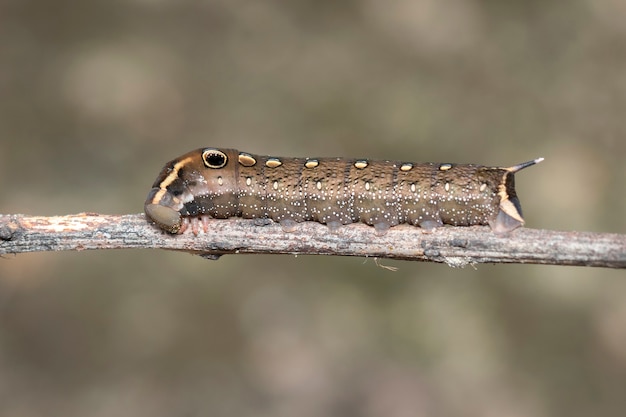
x=95, y=96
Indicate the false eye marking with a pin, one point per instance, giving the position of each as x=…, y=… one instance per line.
x=246, y=159
x=445, y=167
x=214, y=158
x=406, y=167
x=361, y=164
x=273, y=163
x=311, y=163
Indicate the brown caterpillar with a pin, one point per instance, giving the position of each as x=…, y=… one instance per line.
x=223, y=183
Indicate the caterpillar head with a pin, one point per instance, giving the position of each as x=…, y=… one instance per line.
x=190, y=186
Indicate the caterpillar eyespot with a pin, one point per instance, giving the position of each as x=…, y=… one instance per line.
x=214, y=158
x=221, y=183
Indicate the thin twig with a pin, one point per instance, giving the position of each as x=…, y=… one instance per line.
x=455, y=246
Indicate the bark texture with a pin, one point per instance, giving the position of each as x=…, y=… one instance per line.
x=455, y=246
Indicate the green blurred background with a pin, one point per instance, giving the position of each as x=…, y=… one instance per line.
x=97, y=95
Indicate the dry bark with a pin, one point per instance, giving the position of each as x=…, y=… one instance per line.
x=455, y=246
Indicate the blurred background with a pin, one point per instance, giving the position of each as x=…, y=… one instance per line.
x=96, y=96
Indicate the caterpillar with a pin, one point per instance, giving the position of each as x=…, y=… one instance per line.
x=222, y=183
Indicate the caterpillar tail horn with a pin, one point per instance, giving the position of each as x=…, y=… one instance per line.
x=509, y=215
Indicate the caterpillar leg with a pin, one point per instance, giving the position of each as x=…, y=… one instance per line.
x=429, y=225
x=504, y=223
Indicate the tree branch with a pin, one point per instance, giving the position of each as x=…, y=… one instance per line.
x=455, y=246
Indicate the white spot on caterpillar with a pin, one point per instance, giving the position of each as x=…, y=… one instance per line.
x=406, y=167
x=273, y=163
x=413, y=188
x=361, y=164
x=220, y=181
x=318, y=185
x=367, y=185
x=248, y=181
x=275, y=185
x=311, y=163
x=246, y=159
x=483, y=187
x=445, y=167
x=447, y=186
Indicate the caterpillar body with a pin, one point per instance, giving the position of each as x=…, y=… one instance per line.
x=222, y=183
